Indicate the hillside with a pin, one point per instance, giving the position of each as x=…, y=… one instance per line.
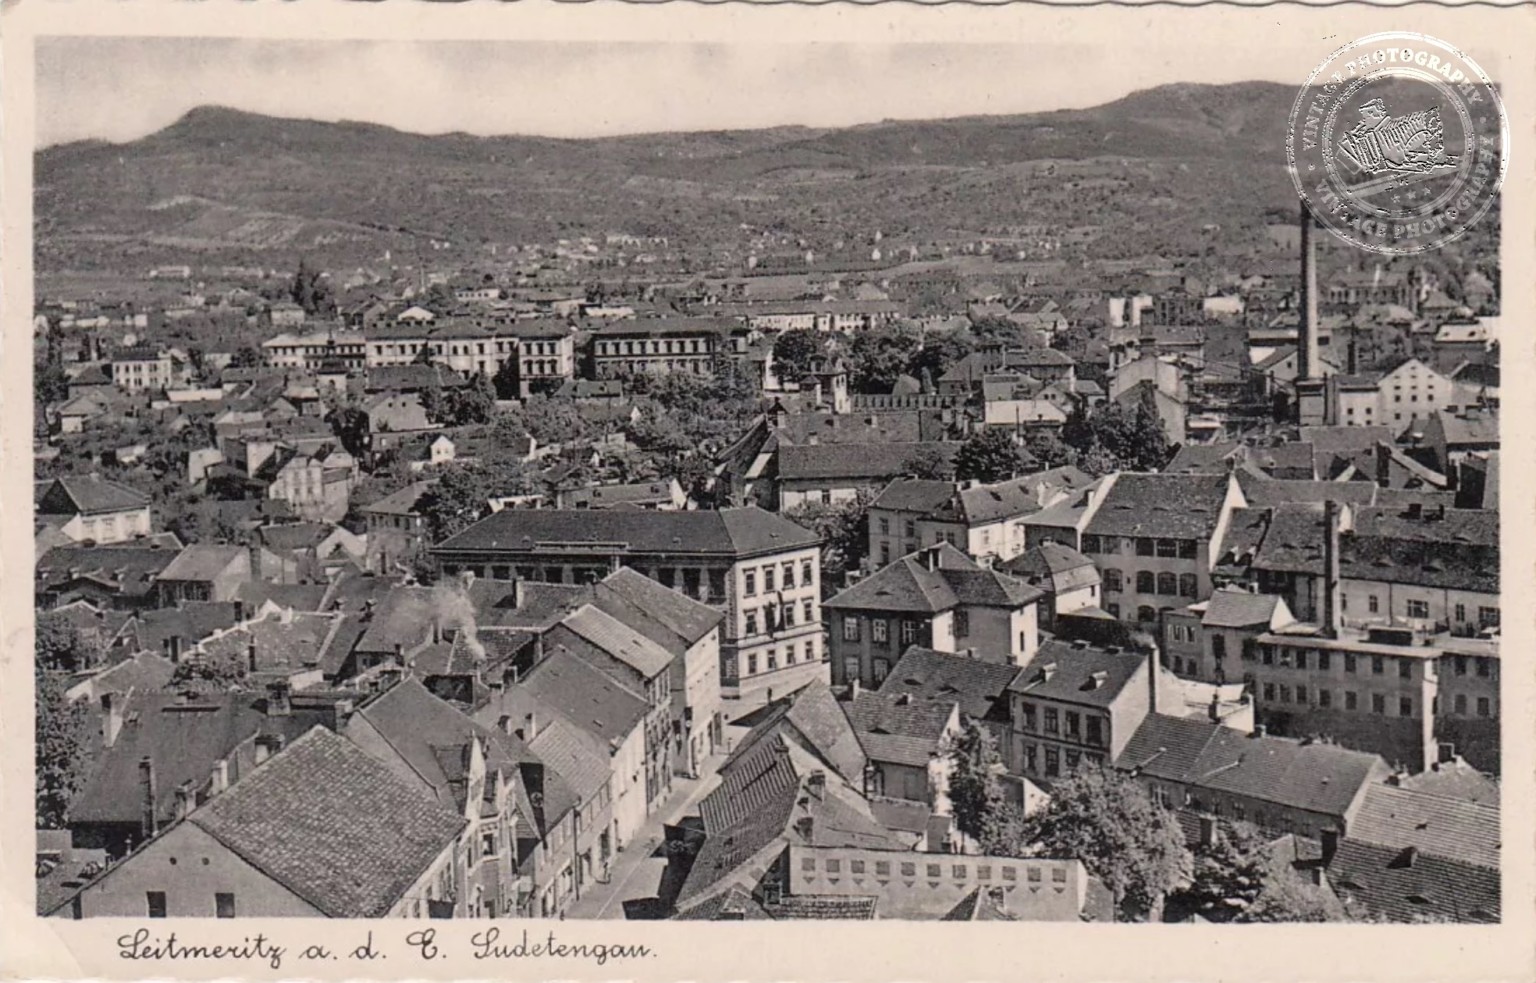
x=228, y=186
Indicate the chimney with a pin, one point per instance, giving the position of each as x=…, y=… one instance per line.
x=437, y=631
x=341, y=712
x=853, y=688
x=1207, y=831
x=530, y=728
x=150, y=823
x=1260, y=730
x=467, y=580
x=1306, y=338
x=111, y=718
x=1447, y=753
x=279, y=693
x=1214, y=710
x=816, y=783
x=255, y=553
x=806, y=827
x=1048, y=670
x=173, y=647
x=218, y=780
x=1332, y=601
x=250, y=655
x=1354, y=358
x=400, y=655
x=1383, y=465
x=183, y=799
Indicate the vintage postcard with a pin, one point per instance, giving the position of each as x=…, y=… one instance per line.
x=712, y=492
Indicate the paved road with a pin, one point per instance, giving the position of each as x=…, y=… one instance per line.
x=636, y=872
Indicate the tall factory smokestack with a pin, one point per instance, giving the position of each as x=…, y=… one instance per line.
x=1333, y=603
x=1311, y=398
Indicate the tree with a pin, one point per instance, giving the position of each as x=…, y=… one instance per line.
x=938, y=354
x=794, y=353
x=311, y=291
x=62, y=739
x=61, y=647
x=459, y=498
x=1045, y=449
x=987, y=457
x=1108, y=821
x=350, y=425
x=844, y=531
x=246, y=357
x=473, y=403
x=975, y=792
x=876, y=358
x=49, y=383
x=929, y=462
x=1237, y=878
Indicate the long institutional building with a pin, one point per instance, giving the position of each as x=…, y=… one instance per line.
x=762, y=571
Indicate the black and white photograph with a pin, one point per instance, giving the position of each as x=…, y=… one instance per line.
x=695, y=481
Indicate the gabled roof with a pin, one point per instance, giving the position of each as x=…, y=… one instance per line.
x=333, y=826
x=619, y=640
x=88, y=496
x=919, y=495
x=1076, y=673
x=202, y=562
x=895, y=728
x=1405, y=885
x=934, y=579
x=129, y=570
x=806, y=462
x=1175, y=506
x=1316, y=777
x=979, y=688
x=814, y=719
x=730, y=532
x=666, y=616
x=588, y=697
x=1240, y=609
x=1054, y=567
x=1435, y=824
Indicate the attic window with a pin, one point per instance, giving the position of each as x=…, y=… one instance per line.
x=1418, y=899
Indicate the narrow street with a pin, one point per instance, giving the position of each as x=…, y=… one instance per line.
x=637, y=870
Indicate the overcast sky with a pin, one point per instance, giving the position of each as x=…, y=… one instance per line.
x=575, y=89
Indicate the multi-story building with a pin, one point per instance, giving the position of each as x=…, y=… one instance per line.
x=983, y=520
x=94, y=510
x=762, y=571
x=142, y=367
x=546, y=355
x=682, y=345
x=400, y=343
x=937, y=598
x=1403, y=399
x=1155, y=538
x=313, y=349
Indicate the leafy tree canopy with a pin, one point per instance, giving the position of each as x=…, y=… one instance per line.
x=989, y=456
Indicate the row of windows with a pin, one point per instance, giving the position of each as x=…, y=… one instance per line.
x=880, y=630
x=1286, y=658
x=1280, y=693
x=1051, y=758
x=776, y=617
x=771, y=580
x=1170, y=584
x=691, y=346
x=155, y=904
x=934, y=871
x=1088, y=728
x=771, y=659
x=1182, y=549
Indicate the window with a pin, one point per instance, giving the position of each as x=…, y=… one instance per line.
x=1269, y=692
x=1052, y=763
x=751, y=625
x=1301, y=695
x=1144, y=546
x=850, y=668
x=1484, y=666
x=1095, y=730
x=1351, y=701
x=855, y=866
x=224, y=904
x=1167, y=584
x=1189, y=585
x=773, y=659
x=1219, y=647
x=1461, y=613
x=488, y=843
x=767, y=579
x=1461, y=665
x=908, y=632
x=789, y=575
x=1378, y=703
x=1484, y=707
x=962, y=623
x=1074, y=723
x=1488, y=617
x=807, y=611
x=1324, y=698
x=1461, y=704
x=749, y=583
x=154, y=903
x=1031, y=760
x=1146, y=613
x=806, y=573
x=1404, y=707
x=885, y=526
x=1285, y=693
x=1091, y=544
x=1029, y=715
x=1146, y=583
x=1373, y=604
x=1074, y=758
x=1323, y=661
x=1405, y=668
x=958, y=872
x=883, y=868
x=1418, y=608
x=1167, y=548
x=1267, y=654
x=935, y=870
x=810, y=651
x=1052, y=723
x=1378, y=665
x=879, y=631
x=1187, y=549
x=850, y=628
x=834, y=865
x=882, y=669
x=752, y=665
x=1349, y=662
x=730, y=670
x=908, y=869
x=1112, y=580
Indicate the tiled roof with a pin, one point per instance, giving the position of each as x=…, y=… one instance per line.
x=1281, y=491
x=863, y=461
x=1239, y=609
x=1405, y=885
x=608, y=496
x=814, y=718
x=733, y=904
x=1316, y=777
x=1176, y=506
x=191, y=622
x=1082, y=675
x=89, y=496
x=619, y=640
x=1456, y=527
x=898, y=729
x=588, y=697
x=1052, y=566
x=402, y=502
x=202, y=562
x=934, y=579
x=981, y=504
x=920, y=495
x=822, y=907
x=730, y=532
x=980, y=906
x=333, y=826
x=295, y=643
x=1339, y=439
x=130, y=570
x=1457, y=780
x=574, y=755
x=1202, y=458
x=666, y=616
x=980, y=688
x=1434, y=824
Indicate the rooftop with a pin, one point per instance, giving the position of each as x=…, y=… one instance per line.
x=934, y=579
x=729, y=532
